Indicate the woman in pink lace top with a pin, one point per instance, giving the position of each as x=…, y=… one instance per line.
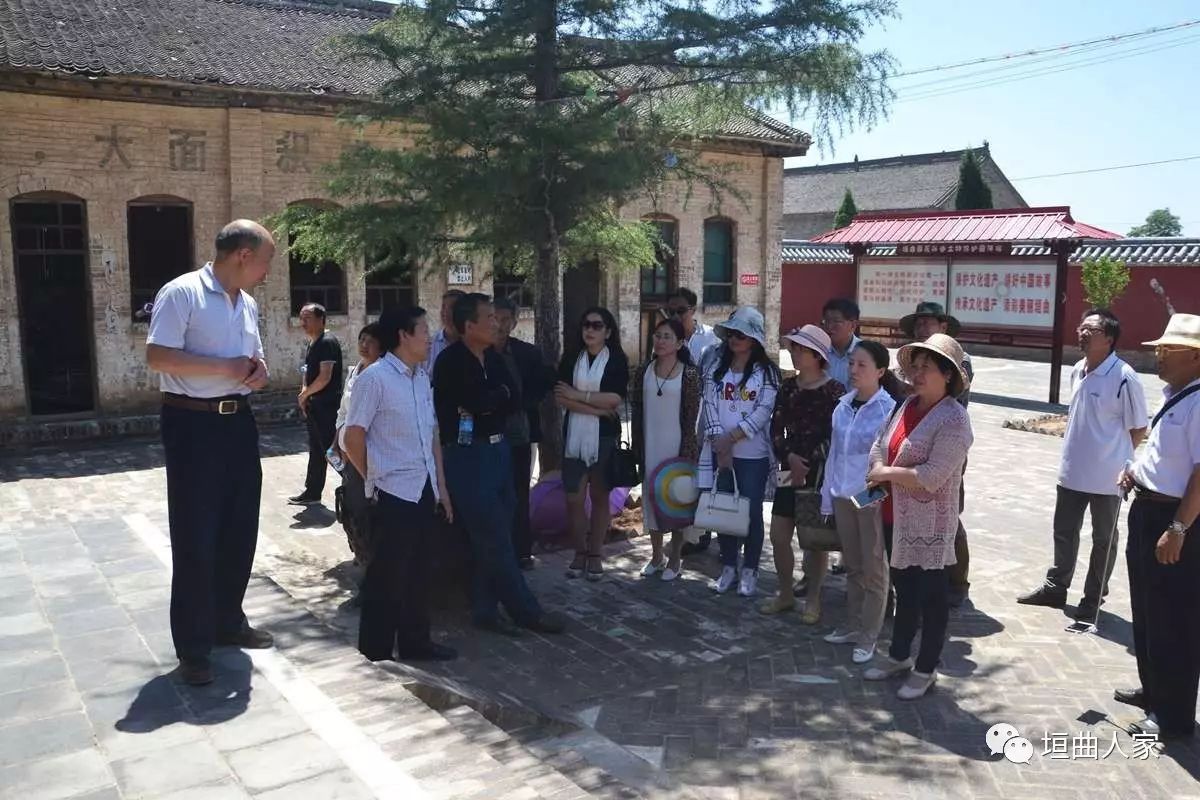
x=919, y=455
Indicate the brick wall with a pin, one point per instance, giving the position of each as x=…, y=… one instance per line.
x=254, y=163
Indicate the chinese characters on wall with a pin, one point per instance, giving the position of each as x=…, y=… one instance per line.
x=1003, y=293
x=954, y=249
x=891, y=288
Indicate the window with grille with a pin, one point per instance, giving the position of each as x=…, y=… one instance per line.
x=316, y=282
x=658, y=279
x=160, y=248
x=391, y=278
x=718, y=262
x=513, y=285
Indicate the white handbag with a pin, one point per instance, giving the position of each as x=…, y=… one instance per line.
x=724, y=512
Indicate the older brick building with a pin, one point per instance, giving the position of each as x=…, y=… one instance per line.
x=133, y=129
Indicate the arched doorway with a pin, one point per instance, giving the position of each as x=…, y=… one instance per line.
x=50, y=259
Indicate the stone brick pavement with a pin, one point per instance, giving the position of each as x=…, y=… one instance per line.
x=710, y=697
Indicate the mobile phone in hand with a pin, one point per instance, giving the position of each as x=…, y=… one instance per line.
x=869, y=497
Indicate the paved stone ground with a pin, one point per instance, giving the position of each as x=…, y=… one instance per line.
x=713, y=698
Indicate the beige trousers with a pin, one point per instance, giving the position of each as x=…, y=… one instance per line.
x=865, y=560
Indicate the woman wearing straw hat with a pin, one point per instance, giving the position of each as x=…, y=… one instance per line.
x=919, y=455
x=800, y=431
x=664, y=430
x=740, y=384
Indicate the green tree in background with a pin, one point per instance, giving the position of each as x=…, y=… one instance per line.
x=1104, y=280
x=1160, y=222
x=845, y=212
x=972, y=192
x=529, y=124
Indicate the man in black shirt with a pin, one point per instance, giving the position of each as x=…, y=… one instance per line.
x=320, y=396
x=474, y=391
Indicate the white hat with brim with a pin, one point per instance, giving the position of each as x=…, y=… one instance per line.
x=945, y=346
x=747, y=321
x=813, y=338
x=1183, y=330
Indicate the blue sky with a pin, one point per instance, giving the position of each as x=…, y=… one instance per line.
x=1120, y=111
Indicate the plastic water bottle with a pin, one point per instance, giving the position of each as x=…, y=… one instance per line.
x=466, y=429
x=335, y=460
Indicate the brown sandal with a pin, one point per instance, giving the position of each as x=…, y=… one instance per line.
x=595, y=566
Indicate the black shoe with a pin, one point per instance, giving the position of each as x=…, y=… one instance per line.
x=1130, y=697
x=500, y=626
x=195, y=672
x=305, y=499
x=430, y=651
x=549, y=622
x=249, y=639
x=957, y=597
x=1088, y=610
x=1044, y=596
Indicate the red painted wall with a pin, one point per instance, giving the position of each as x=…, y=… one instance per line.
x=1143, y=316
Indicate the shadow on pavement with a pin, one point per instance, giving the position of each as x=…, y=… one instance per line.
x=157, y=703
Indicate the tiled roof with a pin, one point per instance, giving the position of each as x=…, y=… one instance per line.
x=993, y=225
x=1134, y=252
x=274, y=45
x=887, y=184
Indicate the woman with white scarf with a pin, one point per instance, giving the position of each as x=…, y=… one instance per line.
x=593, y=382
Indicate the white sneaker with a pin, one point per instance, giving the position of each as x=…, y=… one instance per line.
x=651, y=568
x=748, y=585
x=886, y=668
x=668, y=574
x=862, y=655
x=723, y=584
x=917, y=685
x=839, y=636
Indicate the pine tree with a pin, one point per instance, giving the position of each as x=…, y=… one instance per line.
x=845, y=212
x=972, y=192
x=531, y=123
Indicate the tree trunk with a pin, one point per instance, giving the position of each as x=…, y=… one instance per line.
x=548, y=278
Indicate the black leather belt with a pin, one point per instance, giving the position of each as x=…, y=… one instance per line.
x=216, y=405
x=1154, y=497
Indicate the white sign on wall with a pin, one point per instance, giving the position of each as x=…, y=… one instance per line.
x=890, y=288
x=1016, y=294
x=461, y=275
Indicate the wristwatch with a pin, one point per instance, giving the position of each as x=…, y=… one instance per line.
x=1177, y=528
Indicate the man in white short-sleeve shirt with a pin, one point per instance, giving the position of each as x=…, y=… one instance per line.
x=1106, y=422
x=1163, y=554
x=205, y=345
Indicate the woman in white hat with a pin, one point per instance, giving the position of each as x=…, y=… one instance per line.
x=800, y=431
x=664, y=427
x=740, y=384
x=919, y=456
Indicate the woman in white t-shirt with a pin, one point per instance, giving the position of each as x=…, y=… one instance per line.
x=739, y=396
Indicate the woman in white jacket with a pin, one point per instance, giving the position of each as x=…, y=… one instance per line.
x=857, y=420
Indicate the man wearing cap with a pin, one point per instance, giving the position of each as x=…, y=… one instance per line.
x=1162, y=554
x=928, y=319
x=204, y=343
x=1106, y=422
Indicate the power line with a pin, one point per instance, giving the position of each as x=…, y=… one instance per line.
x=1108, y=169
x=1041, y=72
x=1057, y=49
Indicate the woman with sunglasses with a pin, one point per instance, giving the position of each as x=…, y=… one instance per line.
x=664, y=427
x=593, y=382
x=739, y=396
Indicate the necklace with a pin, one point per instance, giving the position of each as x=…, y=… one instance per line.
x=663, y=382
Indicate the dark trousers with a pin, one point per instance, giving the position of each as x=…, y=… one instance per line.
x=1068, y=521
x=214, y=481
x=395, y=591
x=522, y=469
x=921, y=601
x=961, y=569
x=357, y=511
x=320, y=421
x=481, y=491
x=1166, y=616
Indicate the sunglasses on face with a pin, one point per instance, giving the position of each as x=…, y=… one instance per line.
x=593, y=325
x=737, y=336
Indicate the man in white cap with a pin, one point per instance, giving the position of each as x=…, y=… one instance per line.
x=1162, y=555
